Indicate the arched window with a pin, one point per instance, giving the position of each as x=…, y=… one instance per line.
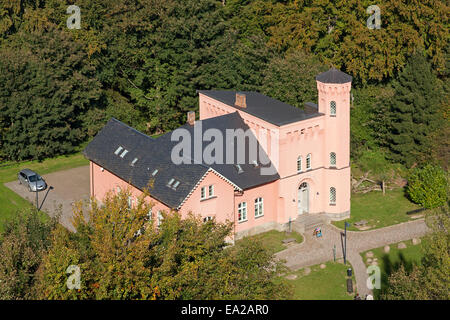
x=259, y=207
x=308, y=161
x=333, y=108
x=332, y=195
x=299, y=164
x=333, y=159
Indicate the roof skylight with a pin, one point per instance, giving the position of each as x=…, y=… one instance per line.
x=155, y=172
x=118, y=150
x=176, y=184
x=124, y=153
x=134, y=161
x=238, y=167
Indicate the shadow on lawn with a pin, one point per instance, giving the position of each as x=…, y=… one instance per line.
x=389, y=267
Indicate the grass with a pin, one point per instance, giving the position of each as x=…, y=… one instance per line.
x=322, y=284
x=390, y=262
x=10, y=202
x=378, y=210
x=273, y=240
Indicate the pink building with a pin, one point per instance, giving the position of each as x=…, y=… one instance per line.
x=197, y=168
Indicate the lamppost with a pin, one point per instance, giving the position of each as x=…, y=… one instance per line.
x=345, y=241
x=37, y=200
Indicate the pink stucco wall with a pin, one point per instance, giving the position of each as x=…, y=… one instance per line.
x=318, y=136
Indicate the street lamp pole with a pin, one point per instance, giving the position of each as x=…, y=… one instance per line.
x=37, y=200
x=345, y=241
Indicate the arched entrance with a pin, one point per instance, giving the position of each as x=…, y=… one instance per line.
x=303, y=198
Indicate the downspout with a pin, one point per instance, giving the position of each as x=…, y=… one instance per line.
x=92, y=180
x=234, y=215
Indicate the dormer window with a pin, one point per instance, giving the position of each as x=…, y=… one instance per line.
x=118, y=150
x=333, y=108
x=124, y=153
x=173, y=184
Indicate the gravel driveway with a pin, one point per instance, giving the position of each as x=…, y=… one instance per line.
x=69, y=186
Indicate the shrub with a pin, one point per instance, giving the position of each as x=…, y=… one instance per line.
x=428, y=186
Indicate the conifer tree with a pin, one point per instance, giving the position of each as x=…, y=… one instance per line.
x=414, y=110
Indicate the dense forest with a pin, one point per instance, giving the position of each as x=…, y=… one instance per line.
x=141, y=61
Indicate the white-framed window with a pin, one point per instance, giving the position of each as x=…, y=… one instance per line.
x=242, y=211
x=211, y=191
x=206, y=219
x=333, y=159
x=159, y=219
x=239, y=168
x=150, y=214
x=203, y=193
x=130, y=202
x=299, y=164
x=118, y=150
x=308, y=161
x=259, y=207
x=124, y=153
x=332, y=195
x=333, y=108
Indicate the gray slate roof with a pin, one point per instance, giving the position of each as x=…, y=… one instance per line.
x=263, y=107
x=334, y=76
x=156, y=154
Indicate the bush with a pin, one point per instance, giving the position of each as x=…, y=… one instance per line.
x=22, y=246
x=428, y=186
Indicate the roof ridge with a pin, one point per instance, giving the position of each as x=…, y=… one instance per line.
x=133, y=129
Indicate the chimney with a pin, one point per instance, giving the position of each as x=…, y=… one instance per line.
x=240, y=100
x=191, y=118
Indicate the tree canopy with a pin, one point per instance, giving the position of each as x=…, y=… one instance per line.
x=142, y=62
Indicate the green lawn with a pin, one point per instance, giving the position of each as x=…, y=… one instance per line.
x=389, y=262
x=378, y=210
x=322, y=284
x=273, y=240
x=10, y=202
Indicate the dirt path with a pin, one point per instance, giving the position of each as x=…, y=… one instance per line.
x=319, y=250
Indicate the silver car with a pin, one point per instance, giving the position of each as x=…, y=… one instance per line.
x=32, y=180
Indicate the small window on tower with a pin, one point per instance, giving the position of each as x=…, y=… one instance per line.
x=308, y=161
x=332, y=196
x=299, y=164
x=333, y=159
x=333, y=108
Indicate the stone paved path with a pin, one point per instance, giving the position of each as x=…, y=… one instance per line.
x=318, y=250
